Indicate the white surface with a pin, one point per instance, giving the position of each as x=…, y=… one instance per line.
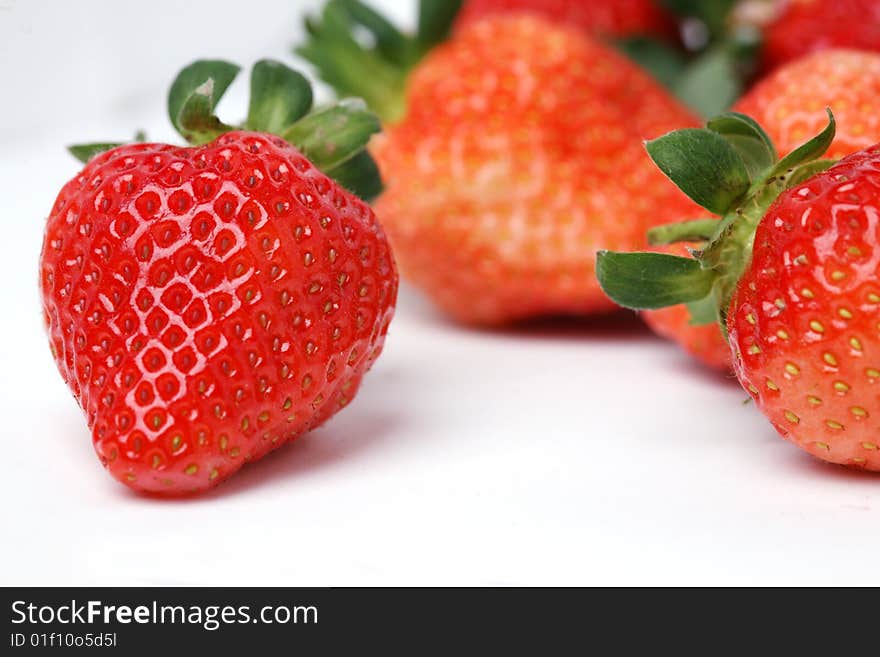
x=572, y=453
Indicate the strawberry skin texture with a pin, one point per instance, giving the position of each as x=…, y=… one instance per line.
x=804, y=321
x=508, y=172
x=208, y=304
x=790, y=103
x=600, y=17
x=805, y=26
x=704, y=342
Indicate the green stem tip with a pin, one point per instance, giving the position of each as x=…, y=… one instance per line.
x=334, y=137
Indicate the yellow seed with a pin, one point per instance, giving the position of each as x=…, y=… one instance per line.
x=838, y=275
x=772, y=385
x=807, y=292
x=750, y=318
x=191, y=469
x=840, y=386
x=754, y=349
x=235, y=451
x=175, y=443
x=854, y=251
x=245, y=423
x=855, y=343
x=829, y=358
x=783, y=335
x=873, y=298
x=869, y=446
x=833, y=424
x=872, y=373
x=824, y=446
x=817, y=326
x=859, y=460
x=263, y=417
x=287, y=404
x=791, y=417
x=845, y=313
x=792, y=369
x=858, y=411
x=213, y=474
x=224, y=442
x=157, y=461
x=813, y=400
x=779, y=302
x=753, y=389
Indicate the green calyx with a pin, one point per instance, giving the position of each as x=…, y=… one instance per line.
x=360, y=53
x=731, y=169
x=333, y=138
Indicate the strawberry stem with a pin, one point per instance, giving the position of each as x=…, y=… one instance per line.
x=696, y=230
x=730, y=169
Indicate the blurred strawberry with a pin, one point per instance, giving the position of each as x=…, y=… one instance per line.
x=505, y=173
x=598, y=17
x=805, y=26
x=790, y=102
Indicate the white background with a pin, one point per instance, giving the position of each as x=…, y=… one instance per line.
x=561, y=453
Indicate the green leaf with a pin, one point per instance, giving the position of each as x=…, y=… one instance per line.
x=748, y=138
x=390, y=42
x=656, y=57
x=709, y=84
x=652, y=280
x=808, y=151
x=280, y=96
x=85, y=152
x=353, y=69
x=696, y=230
x=194, y=95
x=703, y=165
x=435, y=21
x=330, y=136
x=704, y=311
x=359, y=175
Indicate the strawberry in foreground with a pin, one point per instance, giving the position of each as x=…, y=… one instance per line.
x=791, y=273
x=505, y=172
x=207, y=304
x=597, y=17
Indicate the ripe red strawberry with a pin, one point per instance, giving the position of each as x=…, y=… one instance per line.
x=597, y=17
x=505, y=173
x=207, y=304
x=806, y=26
x=791, y=272
x=803, y=321
x=790, y=103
